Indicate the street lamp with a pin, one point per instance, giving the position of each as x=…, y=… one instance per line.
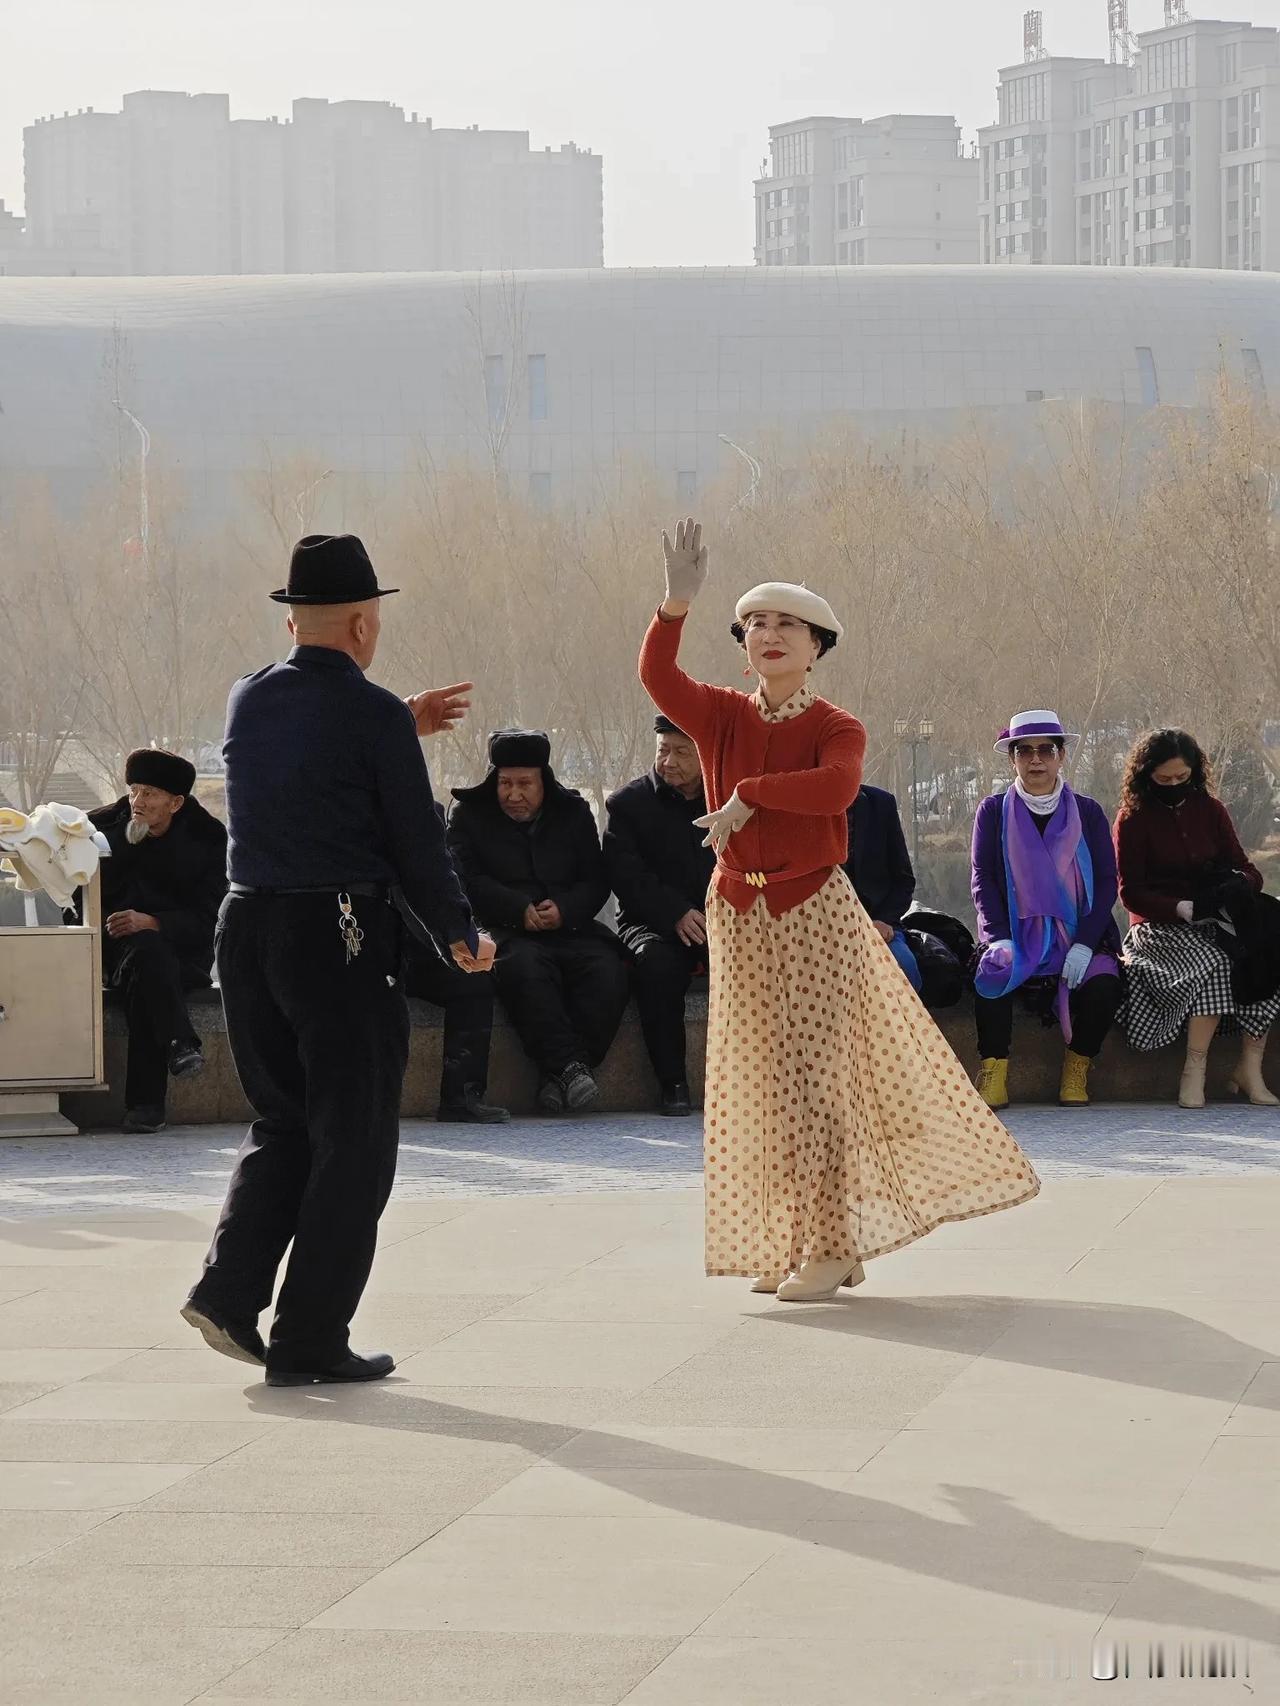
x=144, y=450
x=915, y=735
x=753, y=467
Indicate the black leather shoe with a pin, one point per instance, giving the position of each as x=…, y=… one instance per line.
x=143, y=1119
x=237, y=1339
x=550, y=1099
x=578, y=1087
x=472, y=1109
x=676, y=1100
x=352, y=1367
x=185, y=1060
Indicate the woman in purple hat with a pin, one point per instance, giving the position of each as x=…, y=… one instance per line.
x=1044, y=885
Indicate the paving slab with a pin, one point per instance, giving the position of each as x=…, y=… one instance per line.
x=598, y=1477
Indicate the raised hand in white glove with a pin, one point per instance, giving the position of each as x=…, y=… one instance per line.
x=685, y=562
x=720, y=825
x=1186, y=910
x=1076, y=965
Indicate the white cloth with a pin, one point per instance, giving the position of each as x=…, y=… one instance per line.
x=55, y=849
x=1043, y=805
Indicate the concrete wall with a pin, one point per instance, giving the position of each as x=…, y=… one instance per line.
x=655, y=368
x=626, y=1080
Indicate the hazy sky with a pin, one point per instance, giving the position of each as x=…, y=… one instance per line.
x=677, y=95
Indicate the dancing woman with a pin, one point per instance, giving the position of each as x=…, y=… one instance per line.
x=839, y=1125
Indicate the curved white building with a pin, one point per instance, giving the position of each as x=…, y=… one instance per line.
x=563, y=376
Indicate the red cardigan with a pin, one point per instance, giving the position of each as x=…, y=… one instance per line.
x=801, y=776
x=1165, y=852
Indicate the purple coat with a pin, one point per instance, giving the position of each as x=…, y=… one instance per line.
x=989, y=885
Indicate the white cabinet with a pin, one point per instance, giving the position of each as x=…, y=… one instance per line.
x=51, y=1032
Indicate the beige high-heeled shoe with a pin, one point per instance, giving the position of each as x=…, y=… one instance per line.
x=767, y=1282
x=1247, y=1078
x=818, y=1282
x=1191, y=1084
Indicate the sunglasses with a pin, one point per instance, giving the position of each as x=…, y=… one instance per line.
x=1044, y=749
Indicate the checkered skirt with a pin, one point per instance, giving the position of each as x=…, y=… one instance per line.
x=1173, y=971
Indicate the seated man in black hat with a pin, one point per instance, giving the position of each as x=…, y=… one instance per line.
x=529, y=856
x=660, y=872
x=161, y=890
x=879, y=867
x=467, y=1001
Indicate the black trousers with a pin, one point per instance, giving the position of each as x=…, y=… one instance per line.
x=151, y=982
x=1093, y=1008
x=320, y=1046
x=566, y=995
x=662, y=968
x=467, y=1000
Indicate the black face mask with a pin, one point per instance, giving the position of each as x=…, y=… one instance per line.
x=1170, y=793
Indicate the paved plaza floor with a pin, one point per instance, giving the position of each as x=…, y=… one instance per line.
x=598, y=1477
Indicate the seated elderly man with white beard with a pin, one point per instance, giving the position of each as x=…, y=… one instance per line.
x=161, y=889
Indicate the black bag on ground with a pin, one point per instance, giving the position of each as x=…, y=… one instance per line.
x=943, y=949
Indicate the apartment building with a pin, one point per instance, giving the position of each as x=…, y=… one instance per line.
x=172, y=185
x=1168, y=158
x=888, y=191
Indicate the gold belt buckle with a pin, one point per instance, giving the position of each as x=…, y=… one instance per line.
x=757, y=879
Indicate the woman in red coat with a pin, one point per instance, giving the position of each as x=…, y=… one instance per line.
x=1179, y=857
x=839, y=1125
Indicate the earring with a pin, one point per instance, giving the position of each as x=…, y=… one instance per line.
x=747, y=671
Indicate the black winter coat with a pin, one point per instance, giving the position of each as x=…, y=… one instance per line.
x=506, y=866
x=879, y=865
x=657, y=865
x=180, y=878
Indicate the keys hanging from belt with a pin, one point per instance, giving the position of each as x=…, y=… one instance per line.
x=349, y=928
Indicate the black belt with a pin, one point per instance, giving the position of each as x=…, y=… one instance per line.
x=362, y=891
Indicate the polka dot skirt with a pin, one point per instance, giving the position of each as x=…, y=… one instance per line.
x=838, y=1121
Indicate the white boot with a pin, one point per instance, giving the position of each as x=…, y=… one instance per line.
x=1191, y=1084
x=767, y=1282
x=1248, y=1074
x=819, y=1281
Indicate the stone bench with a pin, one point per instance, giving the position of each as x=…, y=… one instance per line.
x=626, y=1081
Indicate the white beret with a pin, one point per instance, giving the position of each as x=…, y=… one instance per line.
x=789, y=600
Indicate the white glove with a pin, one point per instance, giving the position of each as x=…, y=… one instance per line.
x=685, y=561
x=733, y=814
x=1004, y=942
x=1076, y=965
x=1187, y=911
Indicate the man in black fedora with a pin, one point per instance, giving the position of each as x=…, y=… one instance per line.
x=334, y=844
x=161, y=890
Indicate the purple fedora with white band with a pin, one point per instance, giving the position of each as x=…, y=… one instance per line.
x=1032, y=725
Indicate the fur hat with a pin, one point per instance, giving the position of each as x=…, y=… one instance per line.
x=152, y=767
x=519, y=749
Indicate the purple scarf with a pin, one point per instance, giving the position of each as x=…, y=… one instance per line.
x=1049, y=881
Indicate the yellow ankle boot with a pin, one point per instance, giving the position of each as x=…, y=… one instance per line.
x=1073, y=1092
x=993, y=1083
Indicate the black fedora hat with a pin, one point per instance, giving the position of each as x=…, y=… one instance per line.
x=330, y=568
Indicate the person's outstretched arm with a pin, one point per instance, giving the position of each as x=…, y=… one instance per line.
x=690, y=704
